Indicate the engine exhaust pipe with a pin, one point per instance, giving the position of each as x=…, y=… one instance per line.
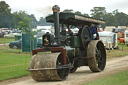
x=56, y=10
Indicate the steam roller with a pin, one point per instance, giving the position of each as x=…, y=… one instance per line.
x=65, y=51
x=48, y=66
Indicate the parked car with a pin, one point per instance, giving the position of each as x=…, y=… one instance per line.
x=43, y=31
x=116, y=30
x=11, y=35
x=74, y=30
x=17, y=44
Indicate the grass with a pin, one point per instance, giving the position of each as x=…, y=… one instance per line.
x=6, y=40
x=123, y=51
x=115, y=79
x=13, y=63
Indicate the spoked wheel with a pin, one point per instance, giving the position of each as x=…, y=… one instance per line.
x=48, y=66
x=72, y=70
x=97, y=56
x=62, y=73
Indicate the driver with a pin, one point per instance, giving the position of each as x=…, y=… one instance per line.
x=93, y=31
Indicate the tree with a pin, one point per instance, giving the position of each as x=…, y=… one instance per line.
x=33, y=21
x=86, y=14
x=77, y=12
x=17, y=17
x=115, y=11
x=68, y=11
x=98, y=12
x=5, y=15
x=25, y=23
x=42, y=22
x=122, y=19
x=25, y=26
x=111, y=20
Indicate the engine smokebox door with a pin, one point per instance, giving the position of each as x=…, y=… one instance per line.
x=46, y=40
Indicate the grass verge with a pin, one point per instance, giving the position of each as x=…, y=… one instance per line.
x=13, y=63
x=115, y=79
x=123, y=51
x=6, y=40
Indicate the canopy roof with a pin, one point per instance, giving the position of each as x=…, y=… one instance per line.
x=74, y=19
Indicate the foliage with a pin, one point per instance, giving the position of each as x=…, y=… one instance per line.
x=68, y=11
x=77, y=12
x=11, y=20
x=21, y=15
x=122, y=19
x=98, y=12
x=24, y=24
x=5, y=14
x=42, y=22
x=111, y=19
x=86, y=14
x=33, y=21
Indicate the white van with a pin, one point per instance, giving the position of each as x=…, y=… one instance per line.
x=109, y=39
x=126, y=37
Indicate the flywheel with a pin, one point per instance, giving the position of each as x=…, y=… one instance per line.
x=96, y=54
x=85, y=36
x=48, y=66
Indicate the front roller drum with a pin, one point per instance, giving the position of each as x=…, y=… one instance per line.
x=46, y=67
x=96, y=54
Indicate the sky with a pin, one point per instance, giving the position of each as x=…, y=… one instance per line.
x=41, y=8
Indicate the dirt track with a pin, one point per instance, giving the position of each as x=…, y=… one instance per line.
x=81, y=76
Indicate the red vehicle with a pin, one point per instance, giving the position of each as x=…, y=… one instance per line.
x=121, y=39
x=100, y=29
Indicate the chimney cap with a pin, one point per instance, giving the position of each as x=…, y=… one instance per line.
x=56, y=8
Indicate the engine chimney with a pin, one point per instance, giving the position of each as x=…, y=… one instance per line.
x=56, y=10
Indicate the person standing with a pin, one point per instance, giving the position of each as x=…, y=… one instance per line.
x=93, y=31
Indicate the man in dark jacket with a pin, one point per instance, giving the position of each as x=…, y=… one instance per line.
x=93, y=31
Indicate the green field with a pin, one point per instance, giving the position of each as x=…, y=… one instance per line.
x=6, y=40
x=115, y=79
x=123, y=51
x=13, y=63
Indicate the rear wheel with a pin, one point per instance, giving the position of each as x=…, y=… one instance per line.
x=97, y=56
x=72, y=70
